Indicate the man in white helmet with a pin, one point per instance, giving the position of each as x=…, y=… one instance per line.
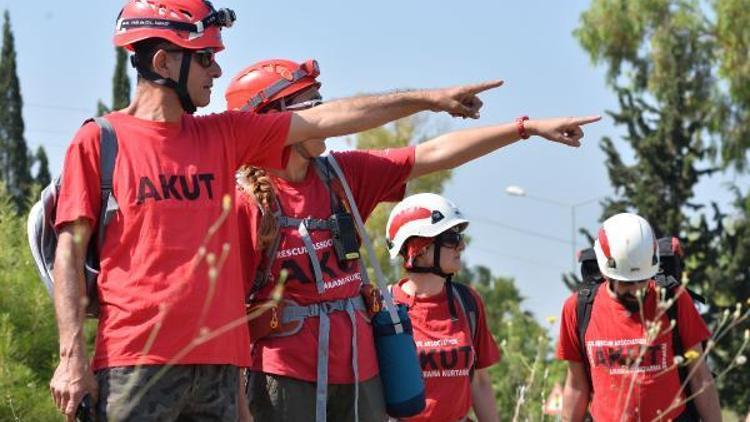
x=622, y=365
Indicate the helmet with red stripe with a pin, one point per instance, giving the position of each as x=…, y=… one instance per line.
x=421, y=215
x=262, y=83
x=626, y=248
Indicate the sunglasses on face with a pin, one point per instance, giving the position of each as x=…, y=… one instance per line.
x=450, y=239
x=303, y=105
x=205, y=58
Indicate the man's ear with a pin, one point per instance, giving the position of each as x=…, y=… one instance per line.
x=160, y=63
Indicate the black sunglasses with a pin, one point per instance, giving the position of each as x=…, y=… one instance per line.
x=205, y=58
x=450, y=239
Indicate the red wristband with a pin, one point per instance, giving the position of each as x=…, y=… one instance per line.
x=521, y=128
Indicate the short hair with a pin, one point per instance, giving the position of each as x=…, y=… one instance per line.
x=144, y=52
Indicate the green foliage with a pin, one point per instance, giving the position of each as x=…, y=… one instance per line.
x=14, y=157
x=28, y=336
x=681, y=72
x=120, y=81
x=43, y=176
x=120, y=85
x=526, y=364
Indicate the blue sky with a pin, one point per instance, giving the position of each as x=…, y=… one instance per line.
x=66, y=58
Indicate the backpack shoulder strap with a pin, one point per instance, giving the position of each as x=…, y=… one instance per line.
x=586, y=295
x=468, y=305
x=372, y=258
x=107, y=156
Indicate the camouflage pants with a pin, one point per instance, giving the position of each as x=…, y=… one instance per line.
x=274, y=398
x=180, y=393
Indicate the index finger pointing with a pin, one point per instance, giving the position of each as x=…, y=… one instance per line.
x=580, y=121
x=484, y=86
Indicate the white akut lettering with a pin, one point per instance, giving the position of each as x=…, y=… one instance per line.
x=454, y=373
x=301, y=250
x=431, y=344
x=342, y=281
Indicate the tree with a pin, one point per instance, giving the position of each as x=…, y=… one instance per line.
x=120, y=85
x=15, y=157
x=525, y=364
x=681, y=73
x=43, y=176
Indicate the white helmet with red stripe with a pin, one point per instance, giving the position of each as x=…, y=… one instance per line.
x=626, y=248
x=422, y=215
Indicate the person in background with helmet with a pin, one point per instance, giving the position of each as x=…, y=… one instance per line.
x=156, y=356
x=622, y=372
x=286, y=375
x=455, y=353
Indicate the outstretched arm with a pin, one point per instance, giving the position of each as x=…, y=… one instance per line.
x=456, y=148
x=351, y=115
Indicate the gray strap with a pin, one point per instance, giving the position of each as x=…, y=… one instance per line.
x=293, y=313
x=276, y=87
x=311, y=223
x=305, y=235
x=355, y=356
x=107, y=156
x=321, y=388
x=387, y=298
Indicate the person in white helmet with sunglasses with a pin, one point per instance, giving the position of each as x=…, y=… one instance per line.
x=623, y=366
x=454, y=344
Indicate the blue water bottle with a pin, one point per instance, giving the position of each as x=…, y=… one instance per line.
x=400, y=371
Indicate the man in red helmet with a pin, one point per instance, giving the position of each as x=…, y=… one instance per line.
x=168, y=343
x=325, y=363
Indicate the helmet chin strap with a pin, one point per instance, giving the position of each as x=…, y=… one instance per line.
x=180, y=87
x=435, y=269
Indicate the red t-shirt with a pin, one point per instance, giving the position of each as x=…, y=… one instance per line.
x=374, y=176
x=613, y=340
x=169, y=180
x=446, y=352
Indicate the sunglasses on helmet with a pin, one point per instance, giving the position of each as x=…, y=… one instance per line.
x=450, y=239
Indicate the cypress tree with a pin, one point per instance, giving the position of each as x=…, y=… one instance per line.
x=43, y=176
x=15, y=156
x=120, y=85
x=120, y=81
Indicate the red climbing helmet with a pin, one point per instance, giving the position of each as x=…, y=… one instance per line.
x=191, y=24
x=264, y=82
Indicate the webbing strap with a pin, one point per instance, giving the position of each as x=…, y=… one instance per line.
x=321, y=387
x=305, y=235
x=276, y=87
x=355, y=355
x=321, y=310
x=387, y=297
x=107, y=156
x=310, y=223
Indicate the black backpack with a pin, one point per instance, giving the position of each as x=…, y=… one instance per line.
x=41, y=221
x=670, y=272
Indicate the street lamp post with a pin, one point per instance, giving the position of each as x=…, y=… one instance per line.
x=519, y=191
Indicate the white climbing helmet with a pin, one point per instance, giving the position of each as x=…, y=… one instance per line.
x=626, y=248
x=423, y=215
